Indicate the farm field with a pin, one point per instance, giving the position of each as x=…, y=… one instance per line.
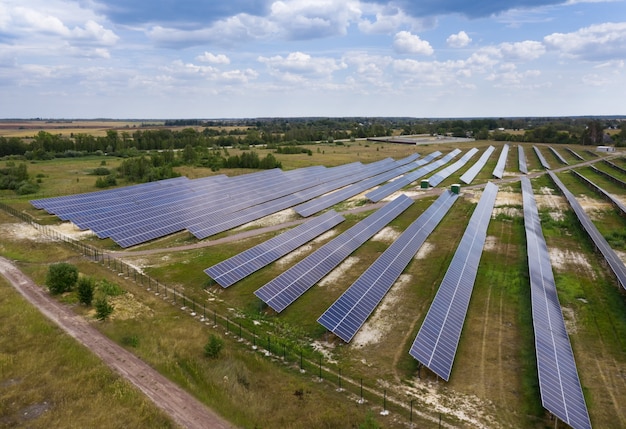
x=494, y=379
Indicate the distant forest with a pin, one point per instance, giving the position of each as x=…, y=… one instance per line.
x=151, y=154
x=277, y=132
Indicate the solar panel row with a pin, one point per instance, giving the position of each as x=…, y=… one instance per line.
x=499, y=170
x=614, y=262
x=522, y=160
x=542, y=159
x=389, y=188
x=615, y=166
x=437, y=340
x=230, y=271
x=561, y=393
x=283, y=290
x=616, y=202
x=350, y=311
x=473, y=171
x=608, y=176
x=328, y=200
x=205, y=206
x=558, y=155
x=580, y=158
x=440, y=176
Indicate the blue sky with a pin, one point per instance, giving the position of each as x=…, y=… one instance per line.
x=266, y=58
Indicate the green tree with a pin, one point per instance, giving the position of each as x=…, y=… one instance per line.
x=103, y=308
x=85, y=290
x=213, y=347
x=61, y=277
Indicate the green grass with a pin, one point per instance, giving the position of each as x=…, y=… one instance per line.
x=42, y=369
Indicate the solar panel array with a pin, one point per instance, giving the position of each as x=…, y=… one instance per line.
x=561, y=393
x=473, y=171
x=350, y=311
x=574, y=153
x=614, y=262
x=437, y=340
x=522, y=160
x=499, y=170
x=608, y=176
x=382, y=175
x=389, y=188
x=283, y=290
x=443, y=174
x=615, y=166
x=542, y=160
x=558, y=155
x=207, y=206
x=230, y=271
x=617, y=203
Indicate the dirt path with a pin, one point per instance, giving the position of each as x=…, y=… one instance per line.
x=183, y=408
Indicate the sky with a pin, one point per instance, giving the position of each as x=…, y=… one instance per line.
x=140, y=59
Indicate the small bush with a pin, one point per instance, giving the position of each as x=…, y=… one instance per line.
x=85, y=290
x=213, y=347
x=110, y=289
x=130, y=341
x=61, y=277
x=103, y=308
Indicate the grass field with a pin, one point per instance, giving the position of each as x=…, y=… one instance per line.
x=494, y=381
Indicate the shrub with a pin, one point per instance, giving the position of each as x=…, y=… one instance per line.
x=61, y=277
x=103, y=308
x=85, y=290
x=213, y=347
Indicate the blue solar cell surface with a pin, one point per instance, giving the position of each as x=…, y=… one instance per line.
x=616, y=202
x=442, y=175
x=561, y=393
x=615, y=263
x=473, y=171
x=139, y=213
x=437, y=340
x=230, y=271
x=499, y=170
x=522, y=160
x=542, y=159
x=346, y=315
x=558, y=155
x=377, y=176
x=291, y=284
x=389, y=188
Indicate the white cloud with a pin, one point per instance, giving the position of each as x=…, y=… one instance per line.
x=459, y=40
x=407, y=43
x=598, y=42
x=298, y=63
x=386, y=19
x=208, y=57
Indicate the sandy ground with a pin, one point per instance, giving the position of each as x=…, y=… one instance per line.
x=183, y=408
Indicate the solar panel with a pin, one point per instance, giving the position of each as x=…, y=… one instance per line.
x=499, y=170
x=350, y=311
x=437, y=340
x=522, y=160
x=617, y=203
x=614, y=262
x=473, y=171
x=230, y=271
x=440, y=176
x=558, y=155
x=613, y=165
x=291, y=284
x=561, y=393
x=325, y=201
x=574, y=153
x=542, y=160
x=389, y=188
x=609, y=176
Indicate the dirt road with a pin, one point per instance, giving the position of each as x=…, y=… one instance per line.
x=183, y=408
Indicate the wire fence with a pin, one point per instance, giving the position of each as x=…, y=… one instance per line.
x=295, y=354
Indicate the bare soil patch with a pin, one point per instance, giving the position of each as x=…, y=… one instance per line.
x=382, y=320
x=386, y=235
x=332, y=277
x=564, y=259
